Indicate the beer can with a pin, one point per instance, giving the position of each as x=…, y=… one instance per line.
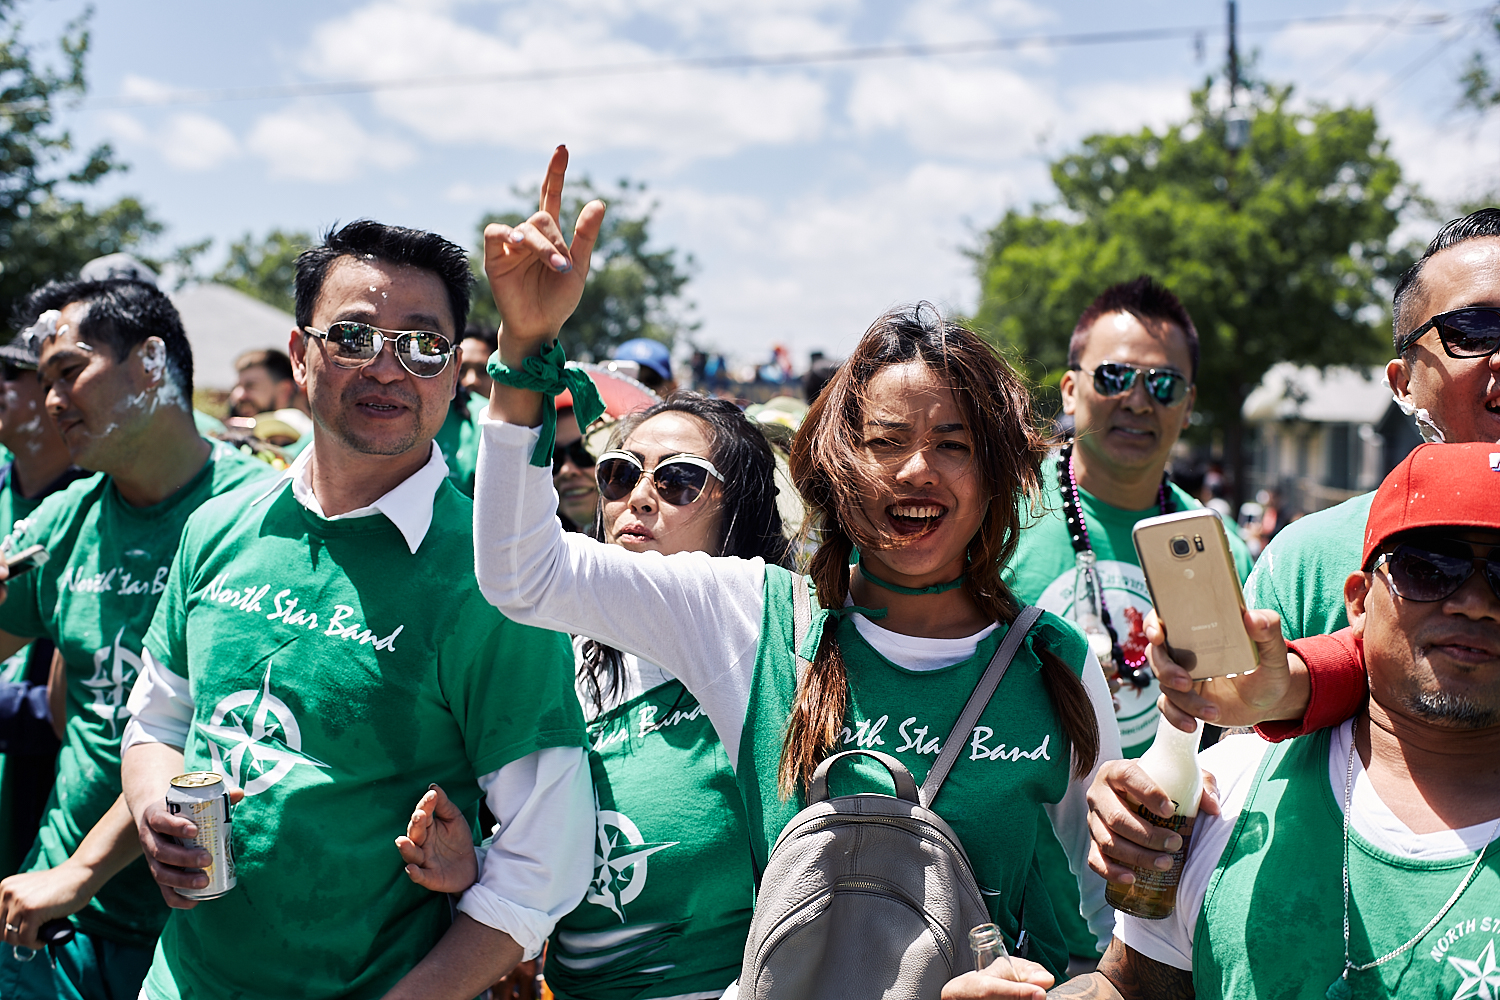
x=203, y=798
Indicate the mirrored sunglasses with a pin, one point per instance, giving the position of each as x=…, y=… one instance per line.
x=576, y=453
x=353, y=345
x=1418, y=573
x=1473, y=332
x=678, y=479
x=1167, y=386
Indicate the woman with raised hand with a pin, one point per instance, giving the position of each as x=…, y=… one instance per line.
x=922, y=453
x=669, y=906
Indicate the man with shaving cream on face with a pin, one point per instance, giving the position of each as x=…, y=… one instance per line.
x=118, y=372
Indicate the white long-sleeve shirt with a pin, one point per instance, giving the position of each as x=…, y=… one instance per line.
x=696, y=615
x=541, y=859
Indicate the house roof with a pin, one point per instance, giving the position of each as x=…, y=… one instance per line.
x=1338, y=394
x=222, y=323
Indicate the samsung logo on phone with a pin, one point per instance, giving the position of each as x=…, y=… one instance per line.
x=1200, y=628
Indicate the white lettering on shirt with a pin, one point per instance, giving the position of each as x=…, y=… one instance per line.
x=914, y=739
x=339, y=625
x=112, y=581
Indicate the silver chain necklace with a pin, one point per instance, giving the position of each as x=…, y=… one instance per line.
x=1340, y=989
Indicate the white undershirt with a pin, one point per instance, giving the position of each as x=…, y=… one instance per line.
x=1233, y=763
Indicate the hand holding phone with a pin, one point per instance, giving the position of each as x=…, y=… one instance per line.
x=1195, y=590
x=27, y=559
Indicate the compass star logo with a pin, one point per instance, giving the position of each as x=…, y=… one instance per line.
x=1481, y=976
x=620, y=855
x=115, y=669
x=253, y=738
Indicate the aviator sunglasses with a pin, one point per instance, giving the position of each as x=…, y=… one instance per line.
x=1472, y=332
x=1167, y=386
x=353, y=345
x=1417, y=573
x=679, y=479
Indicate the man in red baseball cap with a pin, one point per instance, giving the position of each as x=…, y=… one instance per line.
x=1359, y=859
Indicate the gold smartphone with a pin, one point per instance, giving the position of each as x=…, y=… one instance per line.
x=1196, y=592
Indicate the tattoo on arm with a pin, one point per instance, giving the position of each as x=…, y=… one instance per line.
x=1126, y=974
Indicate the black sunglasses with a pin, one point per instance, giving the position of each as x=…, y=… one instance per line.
x=1418, y=573
x=1167, y=386
x=679, y=479
x=575, y=453
x=353, y=345
x=10, y=372
x=1472, y=332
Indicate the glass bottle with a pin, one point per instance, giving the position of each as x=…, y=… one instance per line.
x=987, y=945
x=1171, y=762
x=1088, y=609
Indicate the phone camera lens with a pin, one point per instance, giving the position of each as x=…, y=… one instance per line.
x=1181, y=546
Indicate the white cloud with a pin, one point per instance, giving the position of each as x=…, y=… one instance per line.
x=316, y=143
x=676, y=114
x=196, y=142
x=813, y=272
x=140, y=88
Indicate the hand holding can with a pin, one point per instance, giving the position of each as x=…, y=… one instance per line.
x=202, y=798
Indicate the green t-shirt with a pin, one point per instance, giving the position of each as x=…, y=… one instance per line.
x=94, y=599
x=1301, y=574
x=1042, y=571
x=669, y=907
x=334, y=674
x=13, y=507
x=1272, y=919
x=458, y=439
x=1018, y=757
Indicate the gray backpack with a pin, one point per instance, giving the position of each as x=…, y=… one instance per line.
x=870, y=895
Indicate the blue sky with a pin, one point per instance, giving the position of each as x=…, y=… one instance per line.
x=811, y=197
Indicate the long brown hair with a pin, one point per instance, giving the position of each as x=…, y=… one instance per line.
x=831, y=473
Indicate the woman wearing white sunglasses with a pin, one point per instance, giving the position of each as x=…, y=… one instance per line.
x=669, y=907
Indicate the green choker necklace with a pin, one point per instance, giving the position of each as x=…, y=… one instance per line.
x=896, y=588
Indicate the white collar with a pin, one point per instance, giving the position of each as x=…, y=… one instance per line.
x=408, y=506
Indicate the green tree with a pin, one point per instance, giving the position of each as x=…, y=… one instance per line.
x=1481, y=91
x=1281, y=251
x=266, y=268
x=632, y=291
x=46, y=233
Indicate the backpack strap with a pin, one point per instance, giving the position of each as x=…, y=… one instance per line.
x=801, y=620
x=983, y=691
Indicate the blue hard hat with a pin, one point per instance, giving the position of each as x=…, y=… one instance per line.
x=648, y=353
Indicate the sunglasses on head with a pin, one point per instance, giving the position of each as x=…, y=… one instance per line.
x=576, y=453
x=678, y=479
x=1167, y=386
x=1419, y=572
x=10, y=372
x=353, y=345
x=1473, y=332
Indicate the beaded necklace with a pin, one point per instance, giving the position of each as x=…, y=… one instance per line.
x=1135, y=670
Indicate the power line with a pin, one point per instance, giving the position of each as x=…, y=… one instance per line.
x=726, y=62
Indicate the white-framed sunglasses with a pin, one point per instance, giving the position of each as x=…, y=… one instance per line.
x=679, y=479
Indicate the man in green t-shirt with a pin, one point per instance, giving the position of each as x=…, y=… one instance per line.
x=1452, y=391
x=1360, y=860
x=1129, y=389
x=324, y=646
x=118, y=372
x=39, y=465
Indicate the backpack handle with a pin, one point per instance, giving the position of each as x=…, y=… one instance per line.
x=906, y=785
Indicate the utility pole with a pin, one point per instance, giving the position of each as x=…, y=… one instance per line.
x=1234, y=52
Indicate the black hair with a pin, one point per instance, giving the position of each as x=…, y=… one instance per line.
x=394, y=245
x=122, y=313
x=478, y=331
x=275, y=362
x=1144, y=298
x=1475, y=225
x=750, y=526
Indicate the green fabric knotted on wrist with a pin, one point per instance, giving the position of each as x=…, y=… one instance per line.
x=548, y=373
